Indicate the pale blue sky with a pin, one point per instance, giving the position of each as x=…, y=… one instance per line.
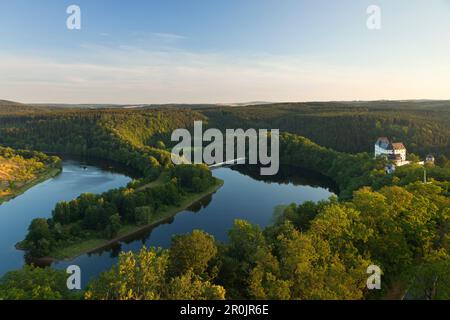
x=223, y=51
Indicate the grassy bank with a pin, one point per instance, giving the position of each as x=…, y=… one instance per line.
x=47, y=174
x=94, y=244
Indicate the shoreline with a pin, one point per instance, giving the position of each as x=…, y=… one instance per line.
x=49, y=174
x=129, y=230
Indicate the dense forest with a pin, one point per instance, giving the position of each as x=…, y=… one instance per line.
x=20, y=169
x=126, y=137
x=97, y=217
x=424, y=127
x=353, y=127
x=312, y=251
x=352, y=171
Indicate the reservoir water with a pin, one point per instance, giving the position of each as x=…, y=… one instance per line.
x=244, y=196
x=39, y=201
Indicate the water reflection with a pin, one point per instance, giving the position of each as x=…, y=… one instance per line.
x=39, y=201
x=244, y=196
x=201, y=204
x=291, y=175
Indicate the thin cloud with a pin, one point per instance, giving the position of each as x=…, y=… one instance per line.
x=169, y=36
x=131, y=74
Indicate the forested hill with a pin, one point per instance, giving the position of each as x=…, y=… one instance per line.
x=10, y=107
x=129, y=137
x=424, y=126
x=394, y=221
x=76, y=130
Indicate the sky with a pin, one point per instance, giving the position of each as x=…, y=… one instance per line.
x=217, y=51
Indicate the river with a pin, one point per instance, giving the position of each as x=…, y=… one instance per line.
x=243, y=196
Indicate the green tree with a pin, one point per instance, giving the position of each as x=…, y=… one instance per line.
x=136, y=277
x=143, y=215
x=114, y=225
x=191, y=252
x=191, y=287
x=31, y=283
x=431, y=280
x=39, y=240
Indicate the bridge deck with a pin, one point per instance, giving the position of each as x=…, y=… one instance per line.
x=228, y=163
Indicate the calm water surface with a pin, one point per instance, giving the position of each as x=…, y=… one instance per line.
x=39, y=201
x=241, y=197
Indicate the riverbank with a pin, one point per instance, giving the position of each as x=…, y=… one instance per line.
x=96, y=244
x=48, y=174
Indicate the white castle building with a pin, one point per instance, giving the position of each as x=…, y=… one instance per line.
x=396, y=152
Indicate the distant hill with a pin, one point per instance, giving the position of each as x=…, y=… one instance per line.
x=12, y=107
x=11, y=104
x=75, y=106
x=354, y=126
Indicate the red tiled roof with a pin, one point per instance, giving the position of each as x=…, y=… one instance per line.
x=398, y=146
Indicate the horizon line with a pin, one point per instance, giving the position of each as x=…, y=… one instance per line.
x=243, y=103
